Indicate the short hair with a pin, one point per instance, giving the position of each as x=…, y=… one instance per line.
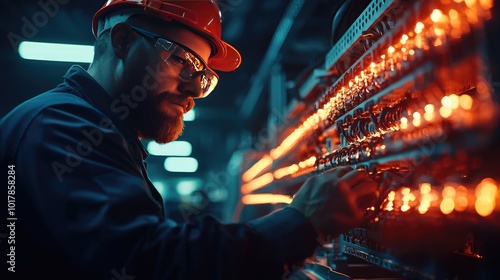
x=101, y=44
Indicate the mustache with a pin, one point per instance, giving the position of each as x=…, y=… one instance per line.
x=185, y=102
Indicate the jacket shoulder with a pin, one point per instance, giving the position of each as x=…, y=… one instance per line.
x=14, y=125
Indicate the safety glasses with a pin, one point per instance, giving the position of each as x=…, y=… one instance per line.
x=189, y=65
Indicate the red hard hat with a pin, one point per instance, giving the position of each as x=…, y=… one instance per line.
x=203, y=16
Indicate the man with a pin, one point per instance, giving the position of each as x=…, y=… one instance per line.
x=85, y=207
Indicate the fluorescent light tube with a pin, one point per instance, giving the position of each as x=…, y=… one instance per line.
x=181, y=164
x=175, y=148
x=56, y=52
x=190, y=116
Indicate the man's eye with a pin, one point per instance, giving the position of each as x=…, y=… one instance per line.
x=178, y=59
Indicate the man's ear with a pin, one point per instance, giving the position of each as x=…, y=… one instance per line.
x=122, y=37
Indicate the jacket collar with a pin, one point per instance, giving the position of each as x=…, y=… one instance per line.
x=92, y=91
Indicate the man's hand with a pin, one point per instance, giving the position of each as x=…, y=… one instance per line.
x=336, y=200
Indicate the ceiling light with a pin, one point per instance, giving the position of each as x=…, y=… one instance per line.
x=181, y=164
x=186, y=187
x=190, y=116
x=56, y=52
x=175, y=148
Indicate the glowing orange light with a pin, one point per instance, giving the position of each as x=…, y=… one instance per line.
x=439, y=32
x=425, y=188
x=422, y=210
x=419, y=27
x=461, y=190
x=472, y=16
x=405, y=191
x=438, y=42
x=416, y=118
x=484, y=206
x=454, y=19
x=425, y=202
x=445, y=112
x=429, y=108
x=412, y=197
x=461, y=203
x=486, y=4
x=310, y=161
x=391, y=50
x=461, y=200
x=447, y=205
x=404, y=123
x=486, y=192
x=292, y=169
x=390, y=206
x=257, y=183
x=433, y=196
x=466, y=101
x=265, y=199
x=280, y=173
x=288, y=170
x=411, y=52
x=448, y=192
x=407, y=196
x=391, y=195
x=292, y=139
x=453, y=14
x=487, y=187
x=429, y=112
x=446, y=101
x=470, y=3
x=436, y=15
x=424, y=206
x=258, y=167
x=405, y=207
x=429, y=116
x=456, y=33
x=416, y=122
x=454, y=101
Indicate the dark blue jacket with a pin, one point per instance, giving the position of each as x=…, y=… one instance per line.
x=85, y=208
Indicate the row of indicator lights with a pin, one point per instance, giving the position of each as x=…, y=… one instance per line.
x=360, y=81
x=454, y=197
x=449, y=104
x=405, y=48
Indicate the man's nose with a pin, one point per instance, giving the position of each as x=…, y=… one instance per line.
x=191, y=87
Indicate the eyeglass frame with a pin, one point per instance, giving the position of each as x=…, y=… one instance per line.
x=174, y=44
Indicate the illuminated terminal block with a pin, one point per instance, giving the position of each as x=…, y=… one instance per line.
x=418, y=112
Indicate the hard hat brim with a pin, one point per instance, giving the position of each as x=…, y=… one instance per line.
x=227, y=58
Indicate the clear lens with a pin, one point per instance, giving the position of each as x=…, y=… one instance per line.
x=191, y=67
